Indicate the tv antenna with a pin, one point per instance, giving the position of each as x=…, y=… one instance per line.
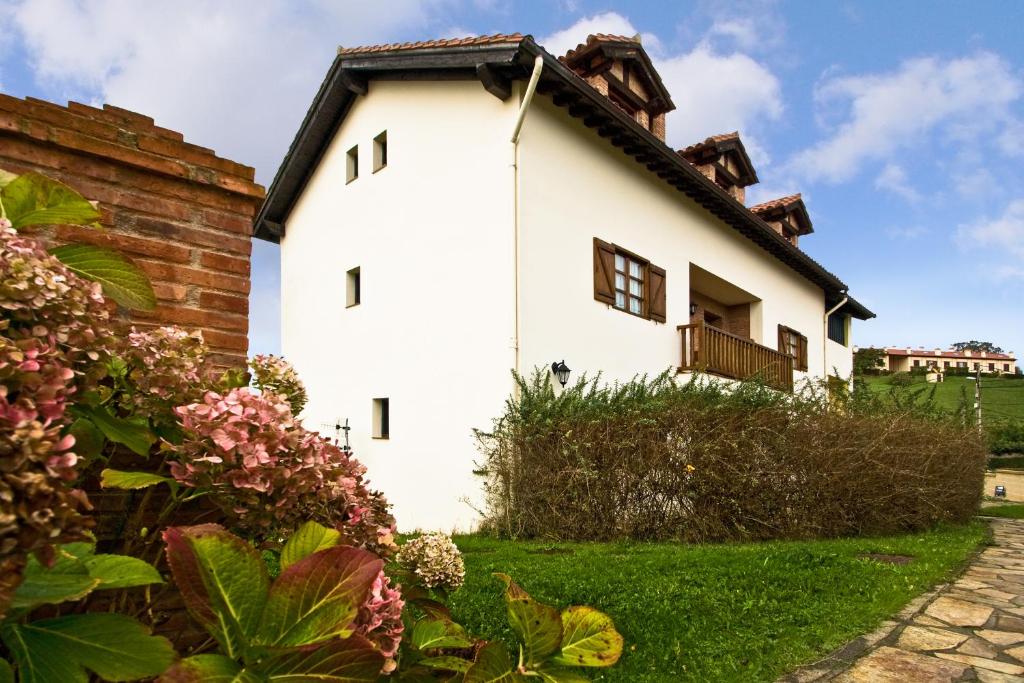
x=340, y=427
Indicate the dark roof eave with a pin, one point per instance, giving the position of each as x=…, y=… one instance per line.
x=856, y=309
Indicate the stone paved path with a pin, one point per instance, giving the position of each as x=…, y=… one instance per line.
x=970, y=630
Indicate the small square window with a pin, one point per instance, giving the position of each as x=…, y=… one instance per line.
x=352, y=164
x=381, y=418
x=380, y=151
x=353, y=288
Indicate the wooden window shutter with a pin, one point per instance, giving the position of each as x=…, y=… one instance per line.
x=604, y=272
x=785, y=335
x=656, y=284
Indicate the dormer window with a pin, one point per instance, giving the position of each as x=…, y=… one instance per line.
x=619, y=68
x=723, y=159
x=787, y=216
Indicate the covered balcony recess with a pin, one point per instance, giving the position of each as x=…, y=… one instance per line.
x=718, y=339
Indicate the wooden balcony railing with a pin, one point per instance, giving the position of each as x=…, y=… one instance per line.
x=709, y=349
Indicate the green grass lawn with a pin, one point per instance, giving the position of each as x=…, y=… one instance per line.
x=1011, y=511
x=1000, y=398
x=716, y=612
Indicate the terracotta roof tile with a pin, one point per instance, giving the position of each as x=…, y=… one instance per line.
x=926, y=353
x=708, y=142
x=779, y=203
x=598, y=38
x=428, y=44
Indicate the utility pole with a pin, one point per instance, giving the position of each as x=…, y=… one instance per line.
x=977, y=396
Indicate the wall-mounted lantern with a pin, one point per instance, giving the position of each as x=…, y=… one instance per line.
x=693, y=309
x=561, y=371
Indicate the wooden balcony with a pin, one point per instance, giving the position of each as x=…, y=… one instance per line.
x=709, y=349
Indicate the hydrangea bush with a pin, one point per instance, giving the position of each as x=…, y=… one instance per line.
x=53, y=333
x=274, y=374
x=270, y=475
x=435, y=560
x=163, y=368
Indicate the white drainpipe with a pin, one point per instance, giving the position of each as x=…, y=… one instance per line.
x=531, y=88
x=824, y=339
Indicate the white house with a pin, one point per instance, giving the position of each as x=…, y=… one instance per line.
x=454, y=210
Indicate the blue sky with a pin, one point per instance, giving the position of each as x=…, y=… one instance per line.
x=901, y=122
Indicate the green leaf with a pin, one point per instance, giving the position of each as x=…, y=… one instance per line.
x=113, y=646
x=589, y=639
x=447, y=663
x=493, y=665
x=554, y=674
x=310, y=538
x=352, y=660
x=89, y=439
x=121, y=571
x=222, y=580
x=122, y=280
x=435, y=633
x=119, y=479
x=34, y=199
x=135, y=436
x=207, y=669
x=318, y=597
x=6, y=672
x=537, y=625
x=67, y=579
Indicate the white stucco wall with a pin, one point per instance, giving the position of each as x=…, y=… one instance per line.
x=432, y=236
x=576, y=186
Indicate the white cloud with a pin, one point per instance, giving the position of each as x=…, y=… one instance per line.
x=714, y=92
x=743, y=31
x=894, y=179
x=911, y=232
x=957, y=101
x=1003, y=273
x=613, y=23
x=717, y=93
x=1004, y=234
x=232, y=75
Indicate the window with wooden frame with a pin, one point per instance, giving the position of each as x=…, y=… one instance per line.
x=794, y=344
x=628, y=282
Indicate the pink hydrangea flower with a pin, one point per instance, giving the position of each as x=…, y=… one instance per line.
x=270, y=474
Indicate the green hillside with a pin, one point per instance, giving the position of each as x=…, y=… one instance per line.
x=1001, y=399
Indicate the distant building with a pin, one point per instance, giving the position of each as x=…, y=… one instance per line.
x=905, y=360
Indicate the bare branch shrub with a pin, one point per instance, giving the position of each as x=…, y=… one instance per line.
x=710, y=461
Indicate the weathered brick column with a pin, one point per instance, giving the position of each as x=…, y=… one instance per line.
x=178, y=210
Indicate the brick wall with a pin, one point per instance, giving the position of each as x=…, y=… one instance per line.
x=178, y=210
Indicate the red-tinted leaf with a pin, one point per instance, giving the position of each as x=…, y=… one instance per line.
x=317, y=598
x=352, y=660
x=222, y=580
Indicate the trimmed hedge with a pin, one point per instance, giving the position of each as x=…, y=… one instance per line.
x=707, y=461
